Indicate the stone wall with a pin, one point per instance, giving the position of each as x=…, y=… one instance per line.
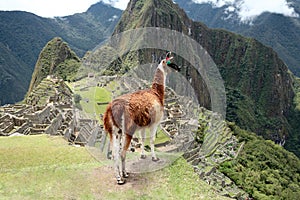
x=39, y=116
x=55, y=125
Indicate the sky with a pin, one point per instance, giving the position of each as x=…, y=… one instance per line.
x=55, y=8
x=246, y=9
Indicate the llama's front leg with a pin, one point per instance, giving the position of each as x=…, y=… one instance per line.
x=152, y=140
x=143, y=137
x=116, y=157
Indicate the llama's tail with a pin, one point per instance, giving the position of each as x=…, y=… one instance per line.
x=107, y=120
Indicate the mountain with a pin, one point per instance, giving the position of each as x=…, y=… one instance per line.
x=259, y=87
x=275, y=30
x=12, y=89
x=23, y=35
x=56, y=59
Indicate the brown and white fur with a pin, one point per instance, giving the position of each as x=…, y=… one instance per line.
x=135, y=112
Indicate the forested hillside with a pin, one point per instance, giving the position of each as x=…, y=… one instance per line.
x=275, y=30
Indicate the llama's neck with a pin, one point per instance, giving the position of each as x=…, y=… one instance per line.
x=158, y=84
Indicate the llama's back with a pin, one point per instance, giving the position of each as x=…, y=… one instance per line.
x=135, y=110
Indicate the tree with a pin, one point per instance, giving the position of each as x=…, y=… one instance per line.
x=77, y=98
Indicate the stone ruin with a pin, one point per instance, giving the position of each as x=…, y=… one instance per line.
x=54, y=117
x=33, y=120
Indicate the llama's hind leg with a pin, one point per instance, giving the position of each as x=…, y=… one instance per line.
x=126, y=144
x=153, y=130
x=143, y=137
x=116, y=157
x=109, y=153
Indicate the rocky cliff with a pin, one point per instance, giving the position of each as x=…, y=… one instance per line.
x=258, y=84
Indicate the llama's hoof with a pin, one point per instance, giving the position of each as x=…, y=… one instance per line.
x=143, y=156
x=121, y=181
x=155, y=159
x=109, y=155
x=125, y=174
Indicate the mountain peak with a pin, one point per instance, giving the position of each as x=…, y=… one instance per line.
x=57, y=59
x=152, y=13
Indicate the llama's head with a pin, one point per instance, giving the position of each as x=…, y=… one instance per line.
x=168, y=59
x=166, y=64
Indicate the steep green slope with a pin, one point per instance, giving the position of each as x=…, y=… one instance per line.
x=263, y=169
x=293, y=142
x=275, y=30
x=259, y=87
x=55, y=59
x=256, y=72
x=13, y=77
x=25, y=34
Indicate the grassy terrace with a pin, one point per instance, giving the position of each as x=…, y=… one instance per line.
x=90, y=97
x=43, y=167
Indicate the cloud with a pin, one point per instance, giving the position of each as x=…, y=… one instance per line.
x=48, y=8
x=121, y=4
x=249, y=9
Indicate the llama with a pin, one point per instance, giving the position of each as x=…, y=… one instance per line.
x=136, y=112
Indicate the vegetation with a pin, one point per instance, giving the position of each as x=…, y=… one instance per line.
x=43, y=167
x=91, y=100
x=263, y=169
x=39, y=167
x=13, y=77
x=297, y=91
x=293, y=142
x=55, y=59
x=275, y=30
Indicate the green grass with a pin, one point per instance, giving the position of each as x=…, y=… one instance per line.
x=40, y=166
x=44, y=167
x=94, y=95
x=90, y=97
